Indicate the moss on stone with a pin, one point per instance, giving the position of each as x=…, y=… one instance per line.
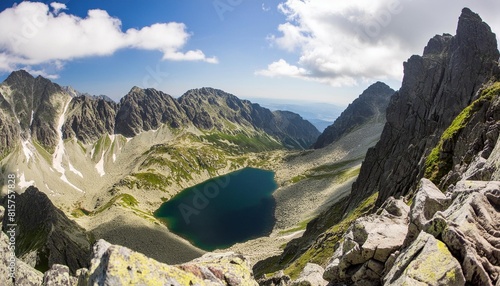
x=437, y=163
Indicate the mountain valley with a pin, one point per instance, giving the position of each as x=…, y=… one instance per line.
x=402, y=189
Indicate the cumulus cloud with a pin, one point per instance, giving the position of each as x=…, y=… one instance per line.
x=33, y=33
x=346, y=42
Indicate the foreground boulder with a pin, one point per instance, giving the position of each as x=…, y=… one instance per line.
x=118, y=265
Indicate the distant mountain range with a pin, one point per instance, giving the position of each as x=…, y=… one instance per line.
x=33, y=107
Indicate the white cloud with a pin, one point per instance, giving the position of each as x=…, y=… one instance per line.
x=33, y=33
x=282, y=68
x=58, y=7
x=346, y=42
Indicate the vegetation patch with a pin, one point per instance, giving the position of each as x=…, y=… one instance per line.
x=301, y=226
x=42, y=151
x=240, y=142
x=337, y=172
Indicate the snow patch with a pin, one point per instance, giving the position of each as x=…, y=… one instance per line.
x=32, y=116
x=100, y=166
x=64, y=179
x=27, y=150
x=92, y=152
x=114, y=158
x=22, y=183
x=74, y=170
x=59, y=152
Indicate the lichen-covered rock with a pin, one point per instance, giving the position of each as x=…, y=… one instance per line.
x=311, y=275
x=59, y=275
x=118, y=265
x=367, y=245
x=427, y=261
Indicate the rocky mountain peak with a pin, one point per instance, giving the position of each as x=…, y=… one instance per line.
x=370, y=105
x=436, y=88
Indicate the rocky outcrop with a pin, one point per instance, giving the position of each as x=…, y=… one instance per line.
x=370, y=105
x=443, y=239
x=45, y=236
x=89, y=118
x=367, y=245
x=436, y=88
x=117, y=265
x=146, y=109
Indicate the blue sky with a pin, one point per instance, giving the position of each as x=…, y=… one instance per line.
x=314, y=50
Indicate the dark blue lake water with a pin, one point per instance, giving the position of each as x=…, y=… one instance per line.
x=223, y=211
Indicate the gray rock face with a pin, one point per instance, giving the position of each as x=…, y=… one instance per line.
x=45, y=230
x=370, y=105
x=436, y=88
x=89, y=118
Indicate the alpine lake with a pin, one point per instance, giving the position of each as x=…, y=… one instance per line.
x=224, y=210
